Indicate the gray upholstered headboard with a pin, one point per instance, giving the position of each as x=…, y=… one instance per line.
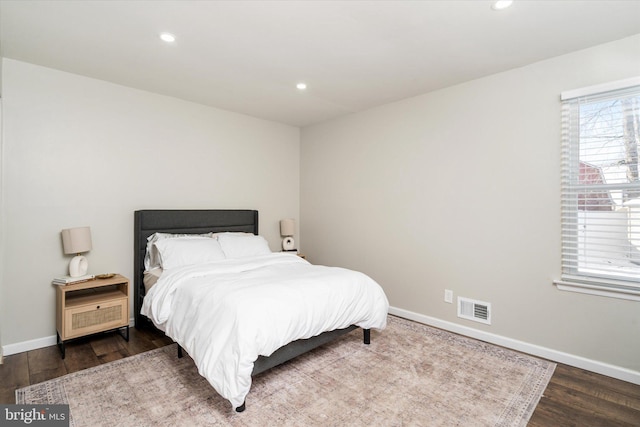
x=147, y=222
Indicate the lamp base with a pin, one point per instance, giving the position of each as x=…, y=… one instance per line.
x=288, y=244
x=78, y=266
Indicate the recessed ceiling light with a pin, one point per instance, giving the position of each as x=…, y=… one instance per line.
x=168, y=37
x=501, y=4
x=301, y=86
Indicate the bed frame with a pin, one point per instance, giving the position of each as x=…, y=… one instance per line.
x=147, y=222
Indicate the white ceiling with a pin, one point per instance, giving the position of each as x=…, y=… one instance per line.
x=247, y=56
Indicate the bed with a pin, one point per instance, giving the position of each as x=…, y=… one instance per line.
x=190, y=303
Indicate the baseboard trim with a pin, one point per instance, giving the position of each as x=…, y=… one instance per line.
x=9, y=349
x=23, y=346
x=613, y=371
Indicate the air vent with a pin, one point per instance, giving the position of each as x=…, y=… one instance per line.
x=478, y=311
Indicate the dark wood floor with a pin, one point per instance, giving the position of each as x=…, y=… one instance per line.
x=574, y=397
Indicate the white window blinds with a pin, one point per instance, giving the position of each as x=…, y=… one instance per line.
x=601, y=186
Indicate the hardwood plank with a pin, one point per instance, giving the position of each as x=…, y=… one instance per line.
x=543, y=416
x=45, y=364
x=140, y=341
x=80, y=355
x=554, y=412
x=605, y=388
x=14, y=374
x=577, y=375
x=108, y=343
x=587, y=407
x=111, y=356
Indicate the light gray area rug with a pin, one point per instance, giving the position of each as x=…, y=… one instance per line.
x=410, y=375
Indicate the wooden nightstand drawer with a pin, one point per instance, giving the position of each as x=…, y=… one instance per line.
x=98, y=317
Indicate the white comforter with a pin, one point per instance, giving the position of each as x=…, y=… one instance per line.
x=227, y=313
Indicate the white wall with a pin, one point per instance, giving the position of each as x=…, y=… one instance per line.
x=460, y=189
x=79, y=151
x=1, y=221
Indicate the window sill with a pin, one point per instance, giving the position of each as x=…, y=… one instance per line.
x=598, y=289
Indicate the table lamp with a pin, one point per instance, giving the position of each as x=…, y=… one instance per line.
x=76, y=241
x=287, y=228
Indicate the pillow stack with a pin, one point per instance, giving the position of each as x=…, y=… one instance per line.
x=165, y=250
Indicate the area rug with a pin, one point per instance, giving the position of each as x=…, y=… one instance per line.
x=410, y=375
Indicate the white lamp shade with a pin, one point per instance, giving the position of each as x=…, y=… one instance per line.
x=76, y=240
x=287, y=227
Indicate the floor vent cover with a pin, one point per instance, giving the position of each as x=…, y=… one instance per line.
x=478, y=311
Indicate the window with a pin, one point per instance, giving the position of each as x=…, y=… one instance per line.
x=601, y=189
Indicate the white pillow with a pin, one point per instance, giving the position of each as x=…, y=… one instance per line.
x=241, y=246
x=181, y=251
x=151, y=256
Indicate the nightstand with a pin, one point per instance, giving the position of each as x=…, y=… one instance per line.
x=90, y=307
